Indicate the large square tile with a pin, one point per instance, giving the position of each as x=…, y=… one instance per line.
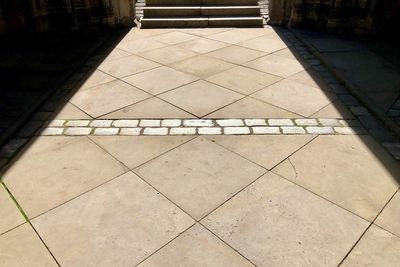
x=127, y=66
x=9, y=213
x=251, y=108
x=376, y=248
x=334, y=110
x=202, y=45
x=276, y=65
x=288, y=53
x=236, y=54
x=266, y=151
x=199, y=175
x=202, y=66
x=311, y=78
x=352, y=171
x=196, y=247
x=136, y=150
x=95, y=78
x=105, y=98
x=159, y=80
x=67, y=111
x=137, y=46
x=151, y=108
x=243, y=80
x=389, y=218
x=235, y=36
x=201, y=97
x=22, y=247
x=53, y=170
x=116, y=54
x=264, y=44
x=276, y=223
x=295, y=97
x=118, y=224
x=174, y=37
x=169, y=54
x=204, y=31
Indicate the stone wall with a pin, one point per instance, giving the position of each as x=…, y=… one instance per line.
x=343, y=16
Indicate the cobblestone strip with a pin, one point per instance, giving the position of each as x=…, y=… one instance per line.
x=373, y=126
x=151, y=127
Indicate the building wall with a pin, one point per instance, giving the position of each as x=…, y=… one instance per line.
x=343, y=16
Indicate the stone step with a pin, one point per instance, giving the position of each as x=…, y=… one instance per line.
x=193, y=11
x=196, y=22
x=201, y=2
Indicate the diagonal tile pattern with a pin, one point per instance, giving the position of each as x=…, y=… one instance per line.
x=199, y=176
x=196, y=247
x=270, y=224
x=89, y=209
x=54, y=170
x=120, y=223
x=159, y=80
x=22, y=247
x=201, y=97
x=108, y=97
x=343, y=170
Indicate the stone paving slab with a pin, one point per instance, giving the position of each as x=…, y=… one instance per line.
x=196, y=247
x=270, y=224
x=9, y=213
x=376, y=248
x=120, y=224
x=200, y=190
x=344, y=170
x=22, y=247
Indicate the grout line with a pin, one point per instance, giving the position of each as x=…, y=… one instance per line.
x=166, y=244
x=371, y=223
x=28, y=221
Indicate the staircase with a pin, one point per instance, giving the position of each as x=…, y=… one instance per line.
x=201, y=13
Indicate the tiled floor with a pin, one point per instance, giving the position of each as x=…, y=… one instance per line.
x=282, y=199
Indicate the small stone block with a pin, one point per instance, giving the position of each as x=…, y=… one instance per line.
x=394, y=149
x=182, y=131
x=155, y=131
x=101, y=123
x=293, y=130
x=51, y=131
x=349, y=100
x=350, y=123
x=329, y=122
x=210, y=131
x=230, y=122
x=198, y=123
x=350, y=130
x=306, y=122
x=12, y=146
x=237, y=130
x=130, y=131
x=255, y=122
x=78, y=131
x=280, y=122
x=171, y=123
x=359, y=110
x=320, y=130
x=106, y=131
x=77, y=123
x=125, y=123
x=266, y=130
x=149, y=123
x=56, y=123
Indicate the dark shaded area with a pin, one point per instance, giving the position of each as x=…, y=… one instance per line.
x=41, y=45
x=366, y=18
